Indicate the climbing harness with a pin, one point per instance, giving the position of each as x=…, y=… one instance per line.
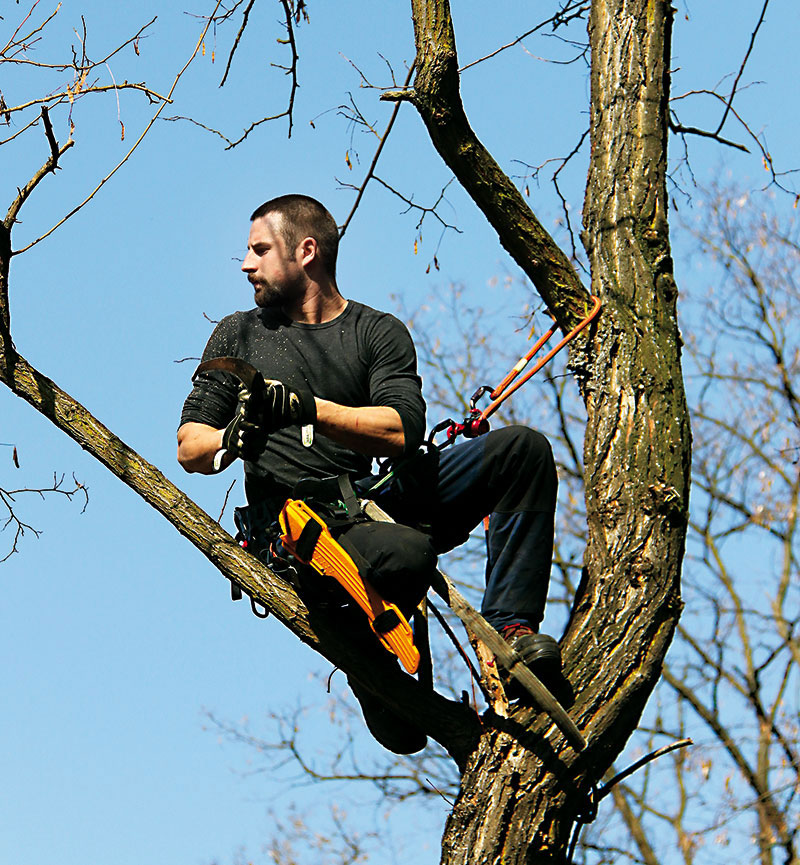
x=476, y=423
x=302, y=537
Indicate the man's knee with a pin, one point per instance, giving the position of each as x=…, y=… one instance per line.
x=520, y=440
x=522, y=465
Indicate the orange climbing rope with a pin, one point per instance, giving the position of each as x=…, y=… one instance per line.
x=477, y=422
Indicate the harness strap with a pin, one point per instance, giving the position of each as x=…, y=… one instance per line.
x=307, y=541
x=329, y=491
x=351, y=503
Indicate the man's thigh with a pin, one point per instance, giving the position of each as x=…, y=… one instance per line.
x=402, y=560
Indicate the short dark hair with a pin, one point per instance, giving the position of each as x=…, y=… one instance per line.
x=303, y=216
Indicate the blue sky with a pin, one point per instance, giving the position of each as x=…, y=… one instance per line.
x=117, y=636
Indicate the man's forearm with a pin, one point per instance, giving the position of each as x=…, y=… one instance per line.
x=370, y=430
x=197, y=445
x=375, y=431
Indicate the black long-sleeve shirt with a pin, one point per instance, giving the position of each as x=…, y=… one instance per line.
x=363, y=357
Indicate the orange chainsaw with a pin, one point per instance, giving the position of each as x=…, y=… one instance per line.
x=307, y=537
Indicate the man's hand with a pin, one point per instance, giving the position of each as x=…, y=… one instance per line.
x=267, y=408
x=283, y=406
x=244, y=436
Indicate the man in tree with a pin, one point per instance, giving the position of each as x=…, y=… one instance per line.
x=342, y=388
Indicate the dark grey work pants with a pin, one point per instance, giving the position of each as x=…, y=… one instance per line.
x=508, y=475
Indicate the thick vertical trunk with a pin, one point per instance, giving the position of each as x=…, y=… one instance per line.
x=524, y=786
x=638, y=439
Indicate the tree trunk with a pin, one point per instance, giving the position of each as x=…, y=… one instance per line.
x=524, y=785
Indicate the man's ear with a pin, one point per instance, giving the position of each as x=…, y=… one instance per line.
x=308, y=251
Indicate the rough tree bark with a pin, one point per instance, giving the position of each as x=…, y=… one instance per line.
x=523, y=785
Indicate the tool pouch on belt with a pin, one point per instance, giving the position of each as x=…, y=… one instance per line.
x=308, y=538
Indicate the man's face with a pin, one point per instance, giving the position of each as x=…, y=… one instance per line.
x=274, y=272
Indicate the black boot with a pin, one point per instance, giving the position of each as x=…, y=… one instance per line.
x=541, y=655
x=394, y=733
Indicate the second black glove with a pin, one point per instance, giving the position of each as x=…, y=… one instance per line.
x=283, y=406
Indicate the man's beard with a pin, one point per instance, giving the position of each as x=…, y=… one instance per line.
x=269, y=296
x=266, y=295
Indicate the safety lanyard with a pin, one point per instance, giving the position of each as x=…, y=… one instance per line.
x=476, y=423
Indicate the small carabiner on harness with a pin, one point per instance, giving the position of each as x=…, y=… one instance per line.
x=473, y=402
x=259, y=610
x=473, y=425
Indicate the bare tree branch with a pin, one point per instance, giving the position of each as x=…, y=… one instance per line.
x=371, y=170
x=567, y=13
x=49, y=166
x=132, y=149
x=245, y=17
x=739, y=74
x=8, y=499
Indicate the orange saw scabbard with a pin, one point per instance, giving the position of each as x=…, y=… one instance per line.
x=308, y=539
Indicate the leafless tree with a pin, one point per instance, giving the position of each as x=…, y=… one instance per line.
x=732, y=677
x=522, y=786
x=730, y=680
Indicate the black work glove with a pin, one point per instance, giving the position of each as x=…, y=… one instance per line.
x=244, y=439
x=268, y=407
x=282, y=406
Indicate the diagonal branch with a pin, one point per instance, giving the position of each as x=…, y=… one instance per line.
x=436, y=95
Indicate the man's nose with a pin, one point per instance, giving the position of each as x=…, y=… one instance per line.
x=248, y=265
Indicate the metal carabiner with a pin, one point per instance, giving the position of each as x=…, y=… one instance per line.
x=258, y=612
x=473, y=403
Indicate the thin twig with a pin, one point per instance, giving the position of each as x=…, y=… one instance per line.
x=680, y=129
x=236, y=41
x=563, y=16
x=412, y=205
x=292, y=70
x=225, y=502
x=136, y=144
x=459, y=648
x=741, y=68
x=371, y=170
